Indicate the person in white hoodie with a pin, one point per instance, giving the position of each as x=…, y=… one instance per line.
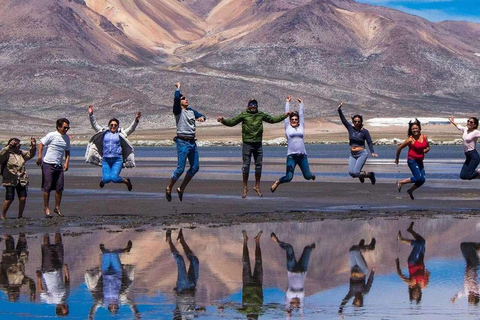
x=297, y=273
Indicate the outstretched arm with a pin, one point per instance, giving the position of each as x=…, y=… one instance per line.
x=271, y=119
x=400, y=147
x=287, y=110
x=399, y=272
x=134, y=124
x=344, y=301
x=369, y=281
x=452, y=121
x=301, y=113
x=93, y=121
x=177, y=109
x=231, y=122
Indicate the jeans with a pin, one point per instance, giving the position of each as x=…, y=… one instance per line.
x=186, y=150
x=111, y=168
x=418, y=171
x=111, y=263
x=292, y=264
x=249, y=148
x=418, y=252
x=469, y=171
x=186, y=280
x=357, y=261
x=293, y=160
x=356, y=161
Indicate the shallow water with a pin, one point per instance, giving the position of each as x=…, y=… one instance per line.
x=219, y=250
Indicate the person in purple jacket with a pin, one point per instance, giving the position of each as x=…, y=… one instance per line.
x=357, y=136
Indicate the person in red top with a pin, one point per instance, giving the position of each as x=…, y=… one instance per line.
x=418, y=275
x=418, y=146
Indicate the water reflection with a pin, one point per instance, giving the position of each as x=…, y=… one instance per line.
x=243, y=276
x=418, y=276
x=186, y=280
x=470, y=284
x=12, y=268
x=358, y=274
x=110, y=286
x=54, y=278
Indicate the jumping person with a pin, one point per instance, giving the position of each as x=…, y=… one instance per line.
x=297, y=273
x=296, y=155
x=58, y=146
x=357, y=136
x=358, y=274
x=185, y=118
x=470, y=283
x=15, y=177
x=252, y=134
x=470, y=137
x=110, y=148
x=418, y=147
x=418, y=276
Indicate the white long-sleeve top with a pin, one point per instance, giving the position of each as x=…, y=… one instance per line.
x=469, y=138
x=295, y=136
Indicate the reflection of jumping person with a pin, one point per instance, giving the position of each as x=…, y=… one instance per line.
x=110, y=149
x=14, y=173
x=470, y=137
x=418, y=147
x=418, y=275
x=12, y=269
x=358, y=274
x=297, y=273
x=252, y=292
x=186, y=280
x=357, y=136
x=53, y=279
x=297, y=155
x=470, y=284
x=111, y=285
x=185, y=118
x=252, y=135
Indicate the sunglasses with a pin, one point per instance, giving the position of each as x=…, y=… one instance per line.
x=356, y=121
x=66, y=128
x=253, y=105
x=114, y=125
x=471, y=121
x=294, y=119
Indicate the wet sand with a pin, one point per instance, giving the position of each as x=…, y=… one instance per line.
x=218, y=200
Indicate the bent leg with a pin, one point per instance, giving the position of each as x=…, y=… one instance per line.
x=106, y=170
x=302, y=264
x=291, y=261
x=289, y=170
x=115, y=170
x=182, y=153
x=303, y=164
x=193, y=160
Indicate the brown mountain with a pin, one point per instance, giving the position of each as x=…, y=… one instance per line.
x=56, y=56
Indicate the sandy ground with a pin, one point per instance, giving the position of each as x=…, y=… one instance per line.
x=214, y=197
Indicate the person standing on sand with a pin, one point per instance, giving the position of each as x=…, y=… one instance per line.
x=110, y=148
x=418, y=147
x=58, y=146
x=297, y=273
x=470, y=137
x=358, y=274
x=252, y=134
x=418, y=276
x=185, y=118
x=296, y=155
x=14, y=173
x=357, y=136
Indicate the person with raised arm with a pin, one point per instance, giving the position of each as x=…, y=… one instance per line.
x=470, y=282
x=252, y=137
x=58, y=146
x=418, y=147
x=296, y=155
x=357, y=136
x=472, y=159
x=185, y=118
x=110, y=149
x=14, y=173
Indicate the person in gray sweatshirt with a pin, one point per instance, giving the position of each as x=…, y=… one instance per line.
x=185, y=118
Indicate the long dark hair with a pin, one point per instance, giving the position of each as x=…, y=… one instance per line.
x=411, y=124
x=475, y=120
x=359, y=117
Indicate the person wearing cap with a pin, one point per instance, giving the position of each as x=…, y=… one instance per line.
x=14, y=173
x=252, y=135
x=185, y=118
x=296, y=154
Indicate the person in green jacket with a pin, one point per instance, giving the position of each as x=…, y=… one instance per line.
x=252, y=134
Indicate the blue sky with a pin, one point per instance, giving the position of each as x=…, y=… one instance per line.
x=435, y=10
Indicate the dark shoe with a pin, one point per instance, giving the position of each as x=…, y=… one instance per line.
x=313, y=177
x=372, y=243
x=102, y=184
x=168, y=195
x=410, y=193
x=362, y=179
x=372, y=177
x=180, y=194
x=57, y=212
x=129, y=185
x=129, y=246
x=361, y=243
